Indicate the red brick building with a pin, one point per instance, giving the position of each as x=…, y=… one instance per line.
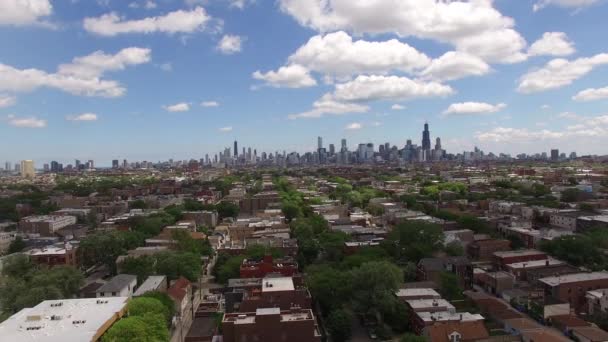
x=277, y=292
x=271, y=324
x=572, y=288
x=53, y=256
x=483, y=249
x=503, y=258
x=259, y=269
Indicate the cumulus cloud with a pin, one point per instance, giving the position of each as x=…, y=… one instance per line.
x=328, y=106
x=473, y=108
x=397, y=107
x=336, y=54
x=7, y=100
x=373, y=88
x=475, y=27
x=82, y=117
x=166, y=67
x=81, y=77
x=455, y=65
x=230, y=44
x=29, y=122
x=178, y=107
x=354, y=126
x=24, y=12
x=226, y=129
x=591, y=94
x=181, y=21
x=563, y=3
x=97, y=63
x=552, y=44
x=210, y=104
x=558, y=73
x=292, y=76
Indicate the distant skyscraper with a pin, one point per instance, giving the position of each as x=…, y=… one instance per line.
x=438, y=144
x=125, y=164
x=115, y=164
x=91, y=164
x=27, y=169
x=77, y=164
x=7, y=166
x=344, y=148
x=555, y=155
x=332, y=149
x=319, y=143
x=236, y=149
x=426, y=138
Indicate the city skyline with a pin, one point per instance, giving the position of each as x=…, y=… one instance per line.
x=268, y=74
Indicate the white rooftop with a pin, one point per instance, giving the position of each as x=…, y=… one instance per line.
x=277, y=284
x=416, y=292
x=50, y=250
x=536, y=263
x=429, y=303
x=449, y=316
x=150, y=284
x=573, y=278
x=64, y=320
x=267, y=311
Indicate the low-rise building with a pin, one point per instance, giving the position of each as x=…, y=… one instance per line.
x=152, y=283
x=65, y=255
x=122, y=285
x=572, y=288
x=502, y=258
x=456, y=331
x=45, y=225
x=64, y=320
x=271, y=324
x=483, y=249
x=260, y=269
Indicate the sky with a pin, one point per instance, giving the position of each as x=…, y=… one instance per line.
x=159, y=79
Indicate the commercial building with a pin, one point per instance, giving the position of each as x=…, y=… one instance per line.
x=271, y=324
x=45, y=225
x=66, y=320
x=27, y=169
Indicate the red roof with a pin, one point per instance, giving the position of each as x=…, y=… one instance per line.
x=179, y=289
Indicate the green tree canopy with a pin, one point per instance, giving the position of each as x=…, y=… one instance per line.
x=339, y=324
x=141, y=306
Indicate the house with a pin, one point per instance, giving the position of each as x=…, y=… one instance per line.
x=456, y=331
x=484, y=249
x=122, y=285
x=597, y=301
x=152, y=283
x=271, y=324
x=430, y=269
x=494, y=282
x=503, y=258
x=278, y=292
x=84, y=319
x=181, y=292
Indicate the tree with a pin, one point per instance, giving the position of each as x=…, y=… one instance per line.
x=67, y=279
x=330, y=287
x=291, y=211
x=138, y=204
x=142, y=267
x=454, y=248
x=374, y=285
x=164, y=299
x=16, y=245
x=571, y=195
x=579, y=250
x=143, y=305
x=339, y=324
x=413, y=338
x=414, y=240
x=449, y=286
x=179, y=264
x=193, y=205
x=104, y=248
x=18, y=266
x=150, y=327
x=227, y=209
x=229, y=269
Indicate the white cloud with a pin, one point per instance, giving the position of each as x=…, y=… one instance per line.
x=82, y=117
x=180, y=21
x=552, y=44
x=24, y=12
x=7, y=101
x=230, y=44
x=178, y=107
x=372, y=88
x=558, y=73
x=569, y=115
x=166, y=67
x=591, y=94
x=81, y=77
x=336, y=54
x=545, y=107
x=326, y=106
x=292, y=76
x=97, y=63
x=563, y=3
x=376, y=123
x=354, y=126
x=17, y=80
x=475, y=26
x=454, y=65
x=226, y=129
x=210, y=104
x=397, y=107
x=473, y=108
x=240, y=4
x=147, y=5
x=31, y=122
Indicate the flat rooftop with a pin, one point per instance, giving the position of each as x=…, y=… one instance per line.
x=417, y=292
x=152, y=283
x=536, y=263
x=64, y=320
x=523, y=252
x=573, y=278
x=277, y=284
x=417, y=304
x=449, y=316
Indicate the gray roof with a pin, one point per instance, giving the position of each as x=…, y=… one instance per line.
x=117, y=283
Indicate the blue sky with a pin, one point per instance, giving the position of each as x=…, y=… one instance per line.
x=162, y=79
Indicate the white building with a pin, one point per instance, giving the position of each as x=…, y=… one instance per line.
x=123, y=285
x=27, y=169
x=64, y=320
